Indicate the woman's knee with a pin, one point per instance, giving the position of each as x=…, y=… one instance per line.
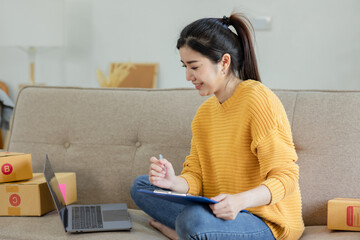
x=198, y=222
x=192, y=220
x=139, y=183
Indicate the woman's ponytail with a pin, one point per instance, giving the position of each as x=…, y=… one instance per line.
x=248, y=68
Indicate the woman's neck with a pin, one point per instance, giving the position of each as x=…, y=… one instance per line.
x=228, y=89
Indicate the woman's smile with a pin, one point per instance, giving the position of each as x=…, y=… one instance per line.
x=198, y=85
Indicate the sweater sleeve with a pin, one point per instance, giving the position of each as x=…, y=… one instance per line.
x=273, y=145
x=192, y=171
x=277, y=158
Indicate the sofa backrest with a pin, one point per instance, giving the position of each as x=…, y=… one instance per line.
x=108, y=135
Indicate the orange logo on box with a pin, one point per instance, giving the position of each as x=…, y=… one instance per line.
x=15, y=200
x=6, y=169
x=353, y=216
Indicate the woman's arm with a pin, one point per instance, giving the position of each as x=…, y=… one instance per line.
x=230, y=205
x=180, y=185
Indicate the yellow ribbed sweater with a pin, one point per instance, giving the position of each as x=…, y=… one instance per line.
x=241, y=144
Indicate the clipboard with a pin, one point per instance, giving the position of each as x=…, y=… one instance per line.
x=177, y=197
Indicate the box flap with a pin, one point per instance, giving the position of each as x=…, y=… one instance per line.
x=357, y=200
x=38, y=178
x=7, y=154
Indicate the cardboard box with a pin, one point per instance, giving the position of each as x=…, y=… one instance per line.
x=15, y=167
x=32, y=197
x=344, y=214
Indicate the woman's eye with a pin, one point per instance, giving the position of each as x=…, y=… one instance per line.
x=192, y=68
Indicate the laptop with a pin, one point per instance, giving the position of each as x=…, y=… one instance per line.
x=86, y=218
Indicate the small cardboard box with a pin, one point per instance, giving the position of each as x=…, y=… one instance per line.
x=344, y=214
x=15, y=166
x=32, y=197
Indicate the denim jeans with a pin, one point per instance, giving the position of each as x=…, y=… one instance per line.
x=196, y=221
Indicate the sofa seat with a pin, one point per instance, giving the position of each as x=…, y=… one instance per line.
x=49, y=227
x=322, y=233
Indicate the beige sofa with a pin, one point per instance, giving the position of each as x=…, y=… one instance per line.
x=107, y=136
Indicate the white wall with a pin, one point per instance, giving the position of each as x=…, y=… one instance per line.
x=311, y=44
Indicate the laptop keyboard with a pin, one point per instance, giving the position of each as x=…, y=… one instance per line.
x=86, y=217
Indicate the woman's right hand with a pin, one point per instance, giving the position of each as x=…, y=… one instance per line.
x=161, y=173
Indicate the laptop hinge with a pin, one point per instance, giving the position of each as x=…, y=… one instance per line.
x=64, y=218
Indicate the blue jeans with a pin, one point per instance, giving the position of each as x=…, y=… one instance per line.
x=196, y=221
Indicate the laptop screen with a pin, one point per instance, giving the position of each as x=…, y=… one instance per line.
x=53, y=185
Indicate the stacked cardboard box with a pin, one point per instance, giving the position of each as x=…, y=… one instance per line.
x=15, y=167
x=24, y=193
x=344, y=214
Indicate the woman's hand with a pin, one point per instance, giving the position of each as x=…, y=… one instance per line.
x=161, y=173
x=228, y=207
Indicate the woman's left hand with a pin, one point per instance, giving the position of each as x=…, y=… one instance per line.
x=228, y=207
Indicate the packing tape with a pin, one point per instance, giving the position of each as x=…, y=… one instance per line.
x=12, y=189
x=14, y=211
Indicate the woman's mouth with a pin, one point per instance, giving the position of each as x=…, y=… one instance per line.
x=198, y=86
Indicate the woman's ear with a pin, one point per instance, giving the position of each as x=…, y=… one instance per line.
x=225, y=62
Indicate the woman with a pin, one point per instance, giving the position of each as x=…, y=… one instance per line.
x=242, y=154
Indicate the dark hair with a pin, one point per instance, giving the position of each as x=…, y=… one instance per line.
x=213, y=38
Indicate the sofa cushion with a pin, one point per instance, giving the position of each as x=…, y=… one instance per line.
x=49, y=226
x=322, y=233
x=326, y=132
x=106, y=136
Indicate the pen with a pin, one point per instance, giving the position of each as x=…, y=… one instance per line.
x=161, y=158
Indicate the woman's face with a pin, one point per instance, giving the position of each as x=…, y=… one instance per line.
x=204, y=74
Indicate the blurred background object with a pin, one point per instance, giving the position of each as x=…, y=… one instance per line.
x=6, y=110
x=31, y=25
x=300, y=44
x=129, y=75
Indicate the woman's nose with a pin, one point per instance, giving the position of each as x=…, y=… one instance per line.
x=189, y=75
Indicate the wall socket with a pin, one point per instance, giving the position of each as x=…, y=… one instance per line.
x=261, y=23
